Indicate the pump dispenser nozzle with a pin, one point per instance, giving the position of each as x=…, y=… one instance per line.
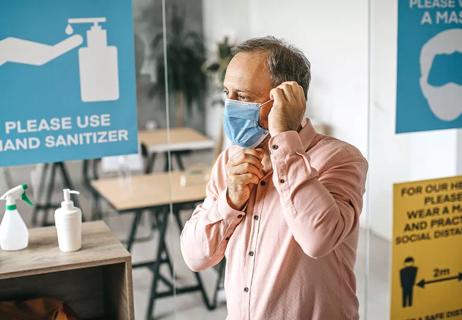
x=68, y=203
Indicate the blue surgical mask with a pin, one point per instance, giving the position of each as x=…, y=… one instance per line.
x=241, y=123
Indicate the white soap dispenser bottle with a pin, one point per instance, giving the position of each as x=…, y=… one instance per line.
x=68, y=221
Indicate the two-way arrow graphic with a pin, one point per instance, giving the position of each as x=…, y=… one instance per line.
x=423, y=282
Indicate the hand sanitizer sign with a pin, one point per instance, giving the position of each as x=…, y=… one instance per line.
x=67, y=80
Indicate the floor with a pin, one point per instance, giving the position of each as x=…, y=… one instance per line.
x=190, y=306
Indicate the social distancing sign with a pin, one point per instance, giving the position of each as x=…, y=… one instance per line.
x=427, y=250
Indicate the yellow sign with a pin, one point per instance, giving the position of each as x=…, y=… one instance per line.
x=427, y=250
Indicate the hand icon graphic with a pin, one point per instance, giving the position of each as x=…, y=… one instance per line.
x=35, y=53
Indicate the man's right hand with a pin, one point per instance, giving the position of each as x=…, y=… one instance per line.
x=243, y=170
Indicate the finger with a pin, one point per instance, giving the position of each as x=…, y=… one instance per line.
x=246, y=168
x=301, y=94
x=297, y=90
x=246, y=178
x=288, y=90
x=255, y=152
x=277, y=95
x=242, y=154
x=247, y=154
x=250, y=160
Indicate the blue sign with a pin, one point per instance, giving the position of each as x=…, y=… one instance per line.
x=67, y=80
x=429, y=82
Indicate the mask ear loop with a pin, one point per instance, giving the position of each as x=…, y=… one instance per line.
x=266, y=102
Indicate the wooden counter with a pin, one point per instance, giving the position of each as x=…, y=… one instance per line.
x=96, y=281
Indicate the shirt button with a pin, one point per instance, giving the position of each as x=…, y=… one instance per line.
x=251, y=253
x=275, y=146
x=282, y=180
x=262, y=183
x=246, y=289
x=227, y=238
x=239, y=216
x=255, y=217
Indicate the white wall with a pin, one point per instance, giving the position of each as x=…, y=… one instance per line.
x=332, y=34
x=222, y=18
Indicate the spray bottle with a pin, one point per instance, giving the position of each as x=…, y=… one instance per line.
x=13, y=231
x=68, y=221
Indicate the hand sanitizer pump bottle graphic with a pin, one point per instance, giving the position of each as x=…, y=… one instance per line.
x=98, y=66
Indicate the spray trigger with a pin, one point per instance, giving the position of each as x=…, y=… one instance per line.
x=26, y=199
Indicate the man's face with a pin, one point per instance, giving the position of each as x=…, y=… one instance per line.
x=247, y=79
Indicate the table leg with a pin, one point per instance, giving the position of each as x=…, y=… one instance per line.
x=48, y=195
x=166, y=164
x=96, y=211
x=176, y=214
x=95, y=168
x=162, y=226
x=179, y=160
x=150, y=163
x=86, y=177
x=39, y=192
x=134, y=228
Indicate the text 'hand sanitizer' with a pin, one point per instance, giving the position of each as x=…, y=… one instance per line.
x=68, y=221
x=13, y=231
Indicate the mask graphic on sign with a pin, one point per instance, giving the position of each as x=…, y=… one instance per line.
x=445, y=101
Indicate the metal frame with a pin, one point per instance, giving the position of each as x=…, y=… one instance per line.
x=162, y=256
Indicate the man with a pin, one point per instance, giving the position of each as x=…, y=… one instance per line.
x=407, y=276
x=282, y=204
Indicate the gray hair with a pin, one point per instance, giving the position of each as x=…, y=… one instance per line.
x=284, y=62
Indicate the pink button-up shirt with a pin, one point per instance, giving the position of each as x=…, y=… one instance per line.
x=291, y=254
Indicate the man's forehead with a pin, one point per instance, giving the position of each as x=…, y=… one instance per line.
x=248, y=71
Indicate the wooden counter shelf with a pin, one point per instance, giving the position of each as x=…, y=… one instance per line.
x=96, y=281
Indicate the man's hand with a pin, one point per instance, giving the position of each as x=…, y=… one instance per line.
x=243, y=170
x=288, y=107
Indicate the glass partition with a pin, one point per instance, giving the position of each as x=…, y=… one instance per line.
x=393, y=248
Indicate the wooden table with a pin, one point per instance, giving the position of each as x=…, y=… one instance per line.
x=156, y=193
x=96, y=281
x=148, y=191
x=176, y=140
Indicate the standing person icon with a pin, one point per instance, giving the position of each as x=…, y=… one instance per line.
x=407, y=275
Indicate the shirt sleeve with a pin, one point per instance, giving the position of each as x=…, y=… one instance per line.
x=205, y=235
x=321, y=209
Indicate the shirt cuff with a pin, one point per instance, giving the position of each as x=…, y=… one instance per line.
x=290, y=162
x=226, y=211
x=285, y=144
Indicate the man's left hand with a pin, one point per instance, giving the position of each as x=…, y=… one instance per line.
x=288, y=107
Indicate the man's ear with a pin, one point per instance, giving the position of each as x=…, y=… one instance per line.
x=264, y=113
